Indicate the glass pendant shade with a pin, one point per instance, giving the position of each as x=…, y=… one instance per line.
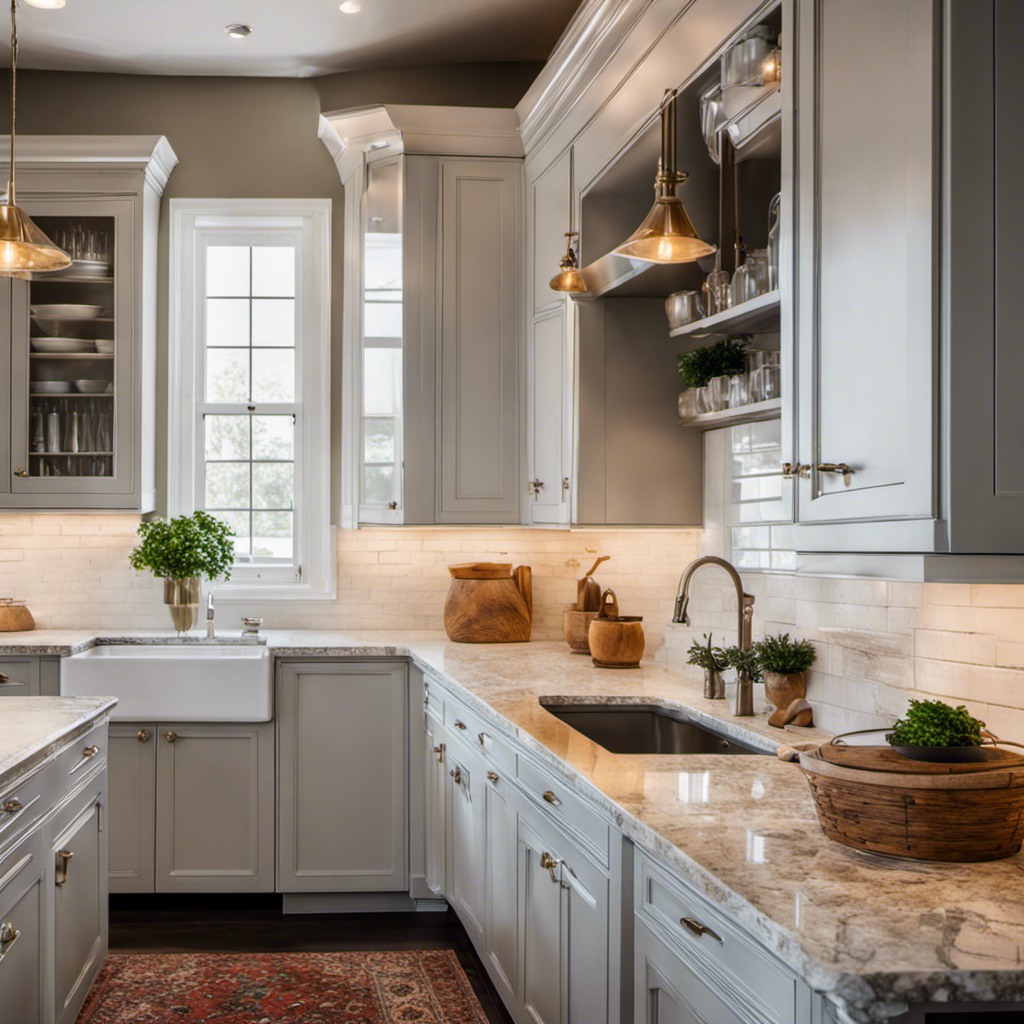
x=24, y=248
x=667, y=234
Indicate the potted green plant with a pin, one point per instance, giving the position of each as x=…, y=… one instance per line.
x=931, y=730
x=785, y=663
x=712, y=660
x=745, y=661
x=181, y=551
x=700, y=366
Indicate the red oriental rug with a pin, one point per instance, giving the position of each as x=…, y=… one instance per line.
x=418, y=987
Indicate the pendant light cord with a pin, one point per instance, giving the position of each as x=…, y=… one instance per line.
x=14, y=96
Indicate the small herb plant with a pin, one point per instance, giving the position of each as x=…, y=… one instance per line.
x=723, y=359
x=783, y=656
x=185, y=546
x=931, y=723
x=711, y=659
x=744, y=661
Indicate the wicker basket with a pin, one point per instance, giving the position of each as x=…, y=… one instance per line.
x=971, y=816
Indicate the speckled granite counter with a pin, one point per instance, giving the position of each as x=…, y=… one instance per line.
x=878, y=933
x=31, y=728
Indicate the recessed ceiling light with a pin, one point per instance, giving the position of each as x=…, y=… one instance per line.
x=238, y=31
x=351, y=7
x=48, y=5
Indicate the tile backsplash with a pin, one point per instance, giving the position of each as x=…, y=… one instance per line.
x=879, y=642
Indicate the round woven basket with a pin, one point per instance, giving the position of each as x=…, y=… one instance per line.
x=969, y=816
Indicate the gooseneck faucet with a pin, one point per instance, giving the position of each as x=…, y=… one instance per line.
x=744, y=617
x=210, y=632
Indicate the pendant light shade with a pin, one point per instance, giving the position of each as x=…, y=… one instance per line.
x=667, y=234
x=24, y=248
x=569, y=278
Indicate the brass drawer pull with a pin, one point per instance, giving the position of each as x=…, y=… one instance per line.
x=21, y=473
x=4, y=678
x=8, y=937
x=699, y=929
x=62, y=867
x=549, y=862
x=90, y=751
x=170, y=736
x=12, y=805
x=456, y=774
x=439, y=750
x=460, y=725
x=551, y=798
x=144, y=735
x=798, y=469
x=492, y=776
x=481, y=737
x=837, y=467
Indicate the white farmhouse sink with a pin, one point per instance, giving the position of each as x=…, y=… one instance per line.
x=174, y=682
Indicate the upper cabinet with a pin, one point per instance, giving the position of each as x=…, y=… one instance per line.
x=79, y=388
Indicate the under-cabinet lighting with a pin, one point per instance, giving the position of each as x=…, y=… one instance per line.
x=351, y=7
x=46, y=5
x=238, y=31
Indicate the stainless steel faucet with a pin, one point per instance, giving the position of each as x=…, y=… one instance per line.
x=744, y=617
x=210, y=631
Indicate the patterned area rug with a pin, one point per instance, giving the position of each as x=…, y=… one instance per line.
x=418, y=987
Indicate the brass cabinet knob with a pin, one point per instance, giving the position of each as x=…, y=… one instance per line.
x=439, y=750
x=492, y=776
x=144, y=735
x=549, y=862
x=170, y=736
x=20, y=472
x=8, y=937
x=460, y=725
x=565, y=483
x=62, y=868
x=91, y=751
x=551, y=798
x=456, y=774
x=700, y=930
x=12, y=805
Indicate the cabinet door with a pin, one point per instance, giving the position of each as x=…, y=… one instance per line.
x=435, y=775
x=549, y=217
x=131, y=842
x=79, y=854
x=867, y=255
x=23, y=954
x=500, y=885
x=215, y=808
x=540, y=928
x=466, y=839
x=549, y=416
x=342, y=807
x=481, y=269
x=19, y=677
x=90, y=459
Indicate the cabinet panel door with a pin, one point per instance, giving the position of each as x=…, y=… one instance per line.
x=549, y=406
x=585, y=928
x=80, y=908
x=342, y=807
x=540, y=929
x=500, y=884
x=131, y=842
x=435, y=776
x=23, y=961
x=215, y=808
x=549, y=219
x=466, y=839
x=481, y=267
x=867, y=323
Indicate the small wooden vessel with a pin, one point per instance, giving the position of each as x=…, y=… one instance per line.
x=489, y=603
x=15, y=617
x=616, y=641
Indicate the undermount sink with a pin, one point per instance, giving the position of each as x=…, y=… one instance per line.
x=175, y=682
x=646, y=729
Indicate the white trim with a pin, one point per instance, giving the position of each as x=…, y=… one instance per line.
x=313, y=462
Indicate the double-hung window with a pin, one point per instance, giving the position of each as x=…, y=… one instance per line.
x=250, y=386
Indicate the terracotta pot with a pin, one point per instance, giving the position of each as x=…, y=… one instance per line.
x=616, y=641
x=576, y=626
x=782, y=688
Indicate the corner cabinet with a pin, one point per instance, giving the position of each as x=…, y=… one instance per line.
x=79, y=388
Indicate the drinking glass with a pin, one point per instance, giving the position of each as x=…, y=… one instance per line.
x=758, y=277
x=717, y=393
x=38, y=429
x=718, y=292
x=72, y=428
x=53, y=431
x=738, y=391
x=772, y=376
x=688, y=403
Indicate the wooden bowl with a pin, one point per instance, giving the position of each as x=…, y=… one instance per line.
x=15, y=618
x=576, y=626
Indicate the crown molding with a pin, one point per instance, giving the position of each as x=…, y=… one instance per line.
x=151, y=154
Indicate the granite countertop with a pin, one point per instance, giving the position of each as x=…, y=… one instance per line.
x=31, y=728
x=877, y=933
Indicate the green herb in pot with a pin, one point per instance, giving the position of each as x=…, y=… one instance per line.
x=744, y=661
x=725, y=358
x=184, y=547
x=780, y=654
x=933, y=723
x=711, y=659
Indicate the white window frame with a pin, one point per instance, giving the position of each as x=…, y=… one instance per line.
x=307, y=221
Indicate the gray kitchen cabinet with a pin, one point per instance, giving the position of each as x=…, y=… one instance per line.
x=23, y=971
x=131, y=842
x=435, y=803
x=466, y=838
x=99, y=197
x=342, y=769
x=215, y=808
x=79, y=853
x=500, y=884
x=29, y=677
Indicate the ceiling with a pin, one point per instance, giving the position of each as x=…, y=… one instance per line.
x=290, y=37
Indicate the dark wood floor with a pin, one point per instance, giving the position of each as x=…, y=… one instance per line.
x=255, y=924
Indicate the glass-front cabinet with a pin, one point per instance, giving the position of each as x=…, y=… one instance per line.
x=81, y=377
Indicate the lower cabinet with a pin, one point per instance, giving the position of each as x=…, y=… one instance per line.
x=22, y=922
x=466, y=832
x=501, y=912
x=435, y=803
x=343, y=764
x=192, y=807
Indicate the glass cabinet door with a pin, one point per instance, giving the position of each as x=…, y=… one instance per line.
x=72, y=367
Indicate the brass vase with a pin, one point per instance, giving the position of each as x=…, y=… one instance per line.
x=182, y=600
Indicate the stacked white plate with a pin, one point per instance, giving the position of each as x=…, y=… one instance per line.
x=67, y=311
x=62, y=346
x=104, y=345
x=50, y=387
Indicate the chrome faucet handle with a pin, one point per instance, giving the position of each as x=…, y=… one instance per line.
x=209, y=605
x=252, y=628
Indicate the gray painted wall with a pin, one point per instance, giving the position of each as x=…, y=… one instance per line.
x=246, y=138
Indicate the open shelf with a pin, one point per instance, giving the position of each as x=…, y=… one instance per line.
x=770, y=410
x=76, y=278
x=759, y=315
x=70, y=394
x=72, y=355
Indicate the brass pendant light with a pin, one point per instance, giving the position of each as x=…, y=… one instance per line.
x=569, y=278
x=667, y=234
x=24, y=249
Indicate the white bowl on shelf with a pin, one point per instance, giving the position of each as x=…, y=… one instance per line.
x=91, y=387
x=104, y=345
x=50, y=387
x=59, y=327
x=67, y=311
x=60, y=346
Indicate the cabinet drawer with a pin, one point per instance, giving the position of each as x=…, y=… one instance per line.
x=433, y=700
x=19, y=677
x=78, y=755
x=478, y=734
x=566, y=808
x=744, y=973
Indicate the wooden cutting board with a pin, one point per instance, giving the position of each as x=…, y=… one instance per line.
x=885, y=759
